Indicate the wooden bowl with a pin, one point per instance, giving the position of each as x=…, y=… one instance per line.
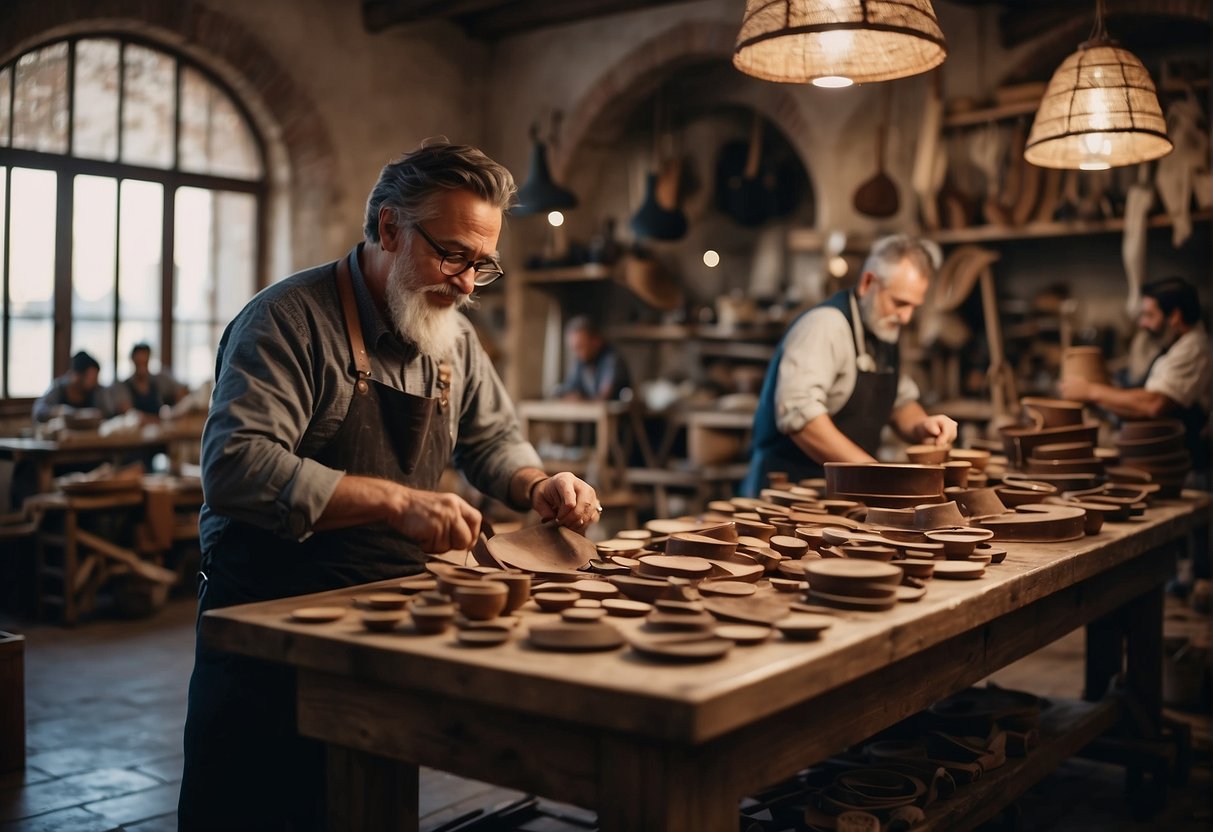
x=657, y=566
x=977, y=458
x=697, y=647
x=518, y=586
x=841, y=572
x=870, y=552
x=582, y=615
x=483, y=636
x=1085, y=363
x=956, y=474
x=483, y=602
x=958, y=544
x=698, y=545
x=318, y=615
x=598, y=590
x=385, y=601
x=1063, y=450
x=382, y=622
x=555, y=600
x=1149, y=429
x=938, y=516
x=879, y=478
x=916, y=567
x=1020, y=442
x=646, y=590
x=803, y=626
x=578, y=637
x=432, y=620
x=1087, y=465
x=1132, y=450
x=789, y=547
x=979, y=502
x=928, y=454
x=1052, y=413
x=626, y=608
x=899, y=517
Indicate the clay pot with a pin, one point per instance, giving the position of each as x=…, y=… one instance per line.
x=431, y=620
x=518, y=586
x=928, y=454
x=1085, y=363
x=483, y=602
x=956, y=474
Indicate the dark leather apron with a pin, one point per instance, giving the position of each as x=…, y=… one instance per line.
x=861, y=419
x=245, y=765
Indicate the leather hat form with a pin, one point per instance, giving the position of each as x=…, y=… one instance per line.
x=541, y=194
x=652, y=221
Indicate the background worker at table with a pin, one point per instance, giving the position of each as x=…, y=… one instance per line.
x=144, y=390
x=342, y=393
x=77, y=389
x=835, y=380
x=1177, y=385
x=598, y=372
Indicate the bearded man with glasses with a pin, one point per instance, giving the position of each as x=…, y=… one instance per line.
x=341, y=395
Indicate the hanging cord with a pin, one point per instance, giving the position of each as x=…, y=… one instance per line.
x=1098, y=32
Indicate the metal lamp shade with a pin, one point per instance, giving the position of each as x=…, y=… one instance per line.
x=1100, y=110
x=653, y=222
x=540, y=193
x=799, y=41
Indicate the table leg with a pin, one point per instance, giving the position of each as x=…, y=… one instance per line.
x=1144, y=655
x=1105, y=655
x=369, y=793
x=645, y=786
x=69, y=566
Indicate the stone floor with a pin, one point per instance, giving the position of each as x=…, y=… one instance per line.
x=105, y=703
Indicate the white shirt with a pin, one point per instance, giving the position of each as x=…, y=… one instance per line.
x=817, y=372
x=1182, y=373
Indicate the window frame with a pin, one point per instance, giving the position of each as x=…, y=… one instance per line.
x=171, y=178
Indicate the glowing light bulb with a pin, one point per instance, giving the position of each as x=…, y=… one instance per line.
x=837, y=266
x=555, y=219
x=832, y=82
x=711, y=259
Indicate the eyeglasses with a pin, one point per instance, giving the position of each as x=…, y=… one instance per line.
x=455, y=263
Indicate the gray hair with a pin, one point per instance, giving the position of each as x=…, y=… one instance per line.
x=408, y=183
x=887, y=252
x=581, y=323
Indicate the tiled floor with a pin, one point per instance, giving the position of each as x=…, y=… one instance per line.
x=105, y=703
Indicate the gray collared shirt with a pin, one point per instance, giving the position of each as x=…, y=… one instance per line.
x=284, y=383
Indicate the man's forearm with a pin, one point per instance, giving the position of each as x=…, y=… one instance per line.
x=1132, y=403
x=906, y=419
x=823, y=442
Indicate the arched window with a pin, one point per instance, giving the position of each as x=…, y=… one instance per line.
x=132, y=208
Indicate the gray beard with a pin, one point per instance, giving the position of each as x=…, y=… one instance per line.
x=434, y=329
x=889, y=333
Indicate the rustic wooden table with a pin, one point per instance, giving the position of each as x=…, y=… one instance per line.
x=674, y=747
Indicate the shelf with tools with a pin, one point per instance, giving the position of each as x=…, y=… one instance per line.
x=1033, y=230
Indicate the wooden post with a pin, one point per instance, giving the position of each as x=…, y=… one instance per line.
x=368, y=793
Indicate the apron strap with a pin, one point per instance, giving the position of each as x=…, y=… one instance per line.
x=353, y=325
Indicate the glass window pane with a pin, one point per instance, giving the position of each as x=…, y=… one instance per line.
x=193, y=246
x=29, y=368
x=6, y=97
x=94, y=244
x=31, y=228
x=215, y=138
x=40, y=100
x=140, y=247
x=95, y=132
x=194, y=352
x=147, y=111
x=236, y=228
x=97, y=339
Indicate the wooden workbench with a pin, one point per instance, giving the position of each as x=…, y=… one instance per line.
x=674, y=747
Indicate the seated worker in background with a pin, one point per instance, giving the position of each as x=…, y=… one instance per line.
x=1177, y=384
x=146, y=391
x=77, y=389
x=598, y=372
x=835, y=380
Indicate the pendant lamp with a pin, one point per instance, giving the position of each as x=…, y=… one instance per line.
x=1099, y=111
x=541, y=194
x=653, y=222
x=835, y=43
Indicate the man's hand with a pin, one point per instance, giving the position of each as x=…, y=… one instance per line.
x=435, y=521
x=936, y=430
x=569, y=501
x=1075, y=389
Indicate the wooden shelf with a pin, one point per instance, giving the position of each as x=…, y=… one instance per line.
x=1012, y=109
x=569, y=274
x=1035, y=230
x=1065, y=728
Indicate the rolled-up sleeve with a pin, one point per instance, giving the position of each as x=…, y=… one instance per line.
x=262, y=404
x=490, y=448
x=1182, y=372
x=815, y=349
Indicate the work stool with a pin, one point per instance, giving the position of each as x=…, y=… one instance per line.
x=78, y=561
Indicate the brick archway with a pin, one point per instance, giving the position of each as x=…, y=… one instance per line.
x=638, y=73
x=1050, y=49
x=300, y=159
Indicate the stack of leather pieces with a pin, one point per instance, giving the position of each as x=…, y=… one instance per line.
x=885, y=485
x=1157, y=448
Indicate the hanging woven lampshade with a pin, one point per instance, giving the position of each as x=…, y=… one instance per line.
x=838, y=42
x=1100, y=111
